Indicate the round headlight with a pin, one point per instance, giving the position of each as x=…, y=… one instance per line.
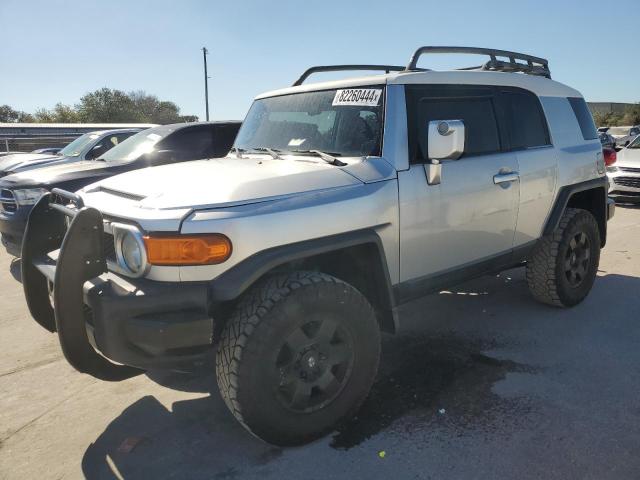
x=131, y=252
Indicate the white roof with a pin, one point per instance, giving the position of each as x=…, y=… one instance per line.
x=541, y=86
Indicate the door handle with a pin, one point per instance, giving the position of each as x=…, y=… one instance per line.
x=505, y=177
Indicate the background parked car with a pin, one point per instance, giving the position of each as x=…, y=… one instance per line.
x=86, y=147
x=607, y=140
x=157, y=146
x=624, y=135
x=50, y=150
x=4, y=154
x=624, y=175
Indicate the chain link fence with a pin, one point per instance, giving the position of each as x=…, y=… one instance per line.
x=28, y=143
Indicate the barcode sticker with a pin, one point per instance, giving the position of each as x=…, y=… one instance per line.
x=367, y=97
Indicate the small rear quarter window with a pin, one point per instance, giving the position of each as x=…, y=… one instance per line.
x=585, y=120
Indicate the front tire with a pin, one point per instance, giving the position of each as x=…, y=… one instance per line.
x=563, y=266
x=298, y=356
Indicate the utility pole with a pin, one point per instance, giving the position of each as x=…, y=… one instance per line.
x=206, y=81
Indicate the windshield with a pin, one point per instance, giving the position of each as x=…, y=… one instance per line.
x=340, y=122
x=136, y=145
x=635, y=143
x=76, y=147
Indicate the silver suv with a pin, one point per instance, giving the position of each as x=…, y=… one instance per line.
x=339, y=202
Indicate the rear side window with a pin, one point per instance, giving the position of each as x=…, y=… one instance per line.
x=191, y=143
x=585, y=120
x=224, y=136
x=476, y=111
x=527, y=125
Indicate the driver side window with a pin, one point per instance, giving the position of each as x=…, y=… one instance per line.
x=475, y=106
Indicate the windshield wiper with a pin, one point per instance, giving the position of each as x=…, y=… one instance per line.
x=330, y=159
x=274, y=152
x=238, y=151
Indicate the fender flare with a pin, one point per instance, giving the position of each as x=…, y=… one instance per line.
x=235, y=281
x=562, y=200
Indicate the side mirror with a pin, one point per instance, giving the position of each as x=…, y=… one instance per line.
x=446, y=142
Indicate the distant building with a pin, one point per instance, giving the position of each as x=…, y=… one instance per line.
x=607, y=107
x=25, y=137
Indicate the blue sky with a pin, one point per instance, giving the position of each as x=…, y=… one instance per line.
x=53, y=51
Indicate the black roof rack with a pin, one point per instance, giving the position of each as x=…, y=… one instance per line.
x=340, y=68
x=533, y=66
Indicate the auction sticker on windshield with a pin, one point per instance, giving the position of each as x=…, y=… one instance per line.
x=368, y=97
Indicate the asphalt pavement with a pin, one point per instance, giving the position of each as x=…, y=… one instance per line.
x=482, y=382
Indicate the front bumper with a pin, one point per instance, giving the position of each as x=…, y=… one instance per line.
x=624, y=185
x=100, y=317
x=12, y=227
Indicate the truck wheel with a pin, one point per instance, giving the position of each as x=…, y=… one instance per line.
x=299, y=355
x=563, y=266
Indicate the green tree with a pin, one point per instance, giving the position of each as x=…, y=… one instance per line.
x=42, y=115
x=104, y=106
x=153, y=110
x=61, y=113
x=65, y=114
x=9, y=114
x=108, y=106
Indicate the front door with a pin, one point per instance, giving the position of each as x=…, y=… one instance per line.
x=469, y=219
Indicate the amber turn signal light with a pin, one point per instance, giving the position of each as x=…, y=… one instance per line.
x=187, y=249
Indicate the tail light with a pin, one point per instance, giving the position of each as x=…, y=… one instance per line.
x=610, y=156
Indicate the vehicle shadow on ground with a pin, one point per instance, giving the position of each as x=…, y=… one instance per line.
x=420, y=375
x=442, y=379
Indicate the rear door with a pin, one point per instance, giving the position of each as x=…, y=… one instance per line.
x=528, y=137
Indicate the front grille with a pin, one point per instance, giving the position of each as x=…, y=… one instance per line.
x=633, y=182
x=109, y=247
x=630, y=169
x=8, y=201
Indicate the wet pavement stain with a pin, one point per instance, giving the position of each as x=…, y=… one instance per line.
x=434, y=380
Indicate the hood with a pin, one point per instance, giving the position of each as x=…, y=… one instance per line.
x=628, y=157
x=48, y=174
x=21, y=167
x=8, y=162
x=222, y=182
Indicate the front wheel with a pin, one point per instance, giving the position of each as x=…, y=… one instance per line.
x=299, y=355
x=563, y=266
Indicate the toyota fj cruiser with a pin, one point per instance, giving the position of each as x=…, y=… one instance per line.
x=339, y=202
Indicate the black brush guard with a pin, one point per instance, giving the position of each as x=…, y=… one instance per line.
x=109, y=326
x=80, y=258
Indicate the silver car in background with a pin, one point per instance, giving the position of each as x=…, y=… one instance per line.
x=624, y=135
x=89, y=146
x=624, y=175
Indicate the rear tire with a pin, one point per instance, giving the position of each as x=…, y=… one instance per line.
x=563, y=266
x=298, y=356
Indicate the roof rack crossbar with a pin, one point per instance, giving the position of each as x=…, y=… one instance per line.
x=340, y=68
x=532, y=66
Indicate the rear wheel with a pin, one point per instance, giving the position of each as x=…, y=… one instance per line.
x=563, y=266
x=298, y=356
